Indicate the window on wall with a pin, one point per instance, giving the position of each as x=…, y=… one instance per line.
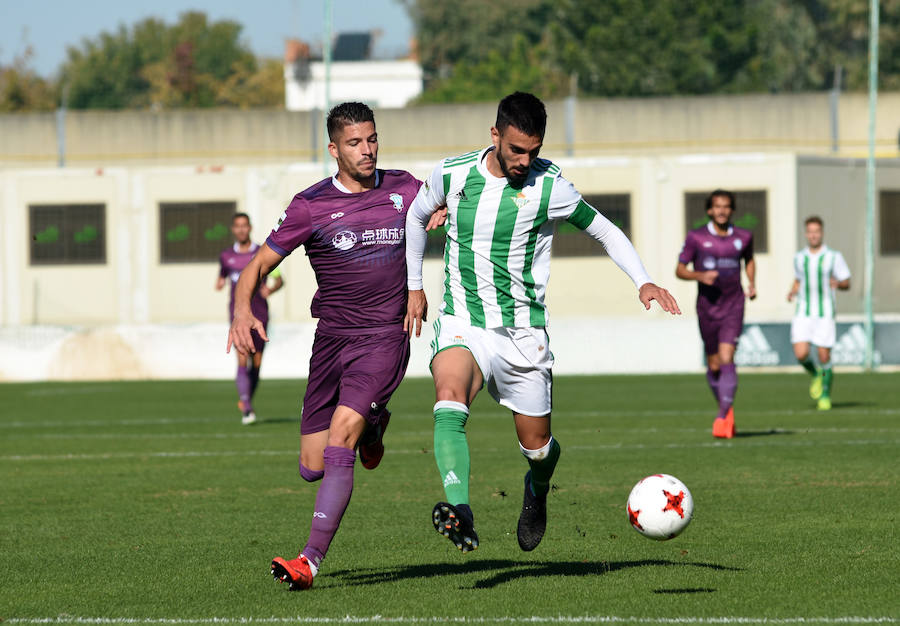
x=889, y=208
x=750, y=213
x=194, y=232
x=570, y=241
x=67, y=234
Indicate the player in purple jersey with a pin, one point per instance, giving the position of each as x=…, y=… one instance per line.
x=231, y=262
x=353, y=228
x=715, y=252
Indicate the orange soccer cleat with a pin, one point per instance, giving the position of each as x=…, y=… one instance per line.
x=295, y=572
x=723, y=427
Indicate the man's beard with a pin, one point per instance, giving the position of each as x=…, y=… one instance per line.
x=514, y=180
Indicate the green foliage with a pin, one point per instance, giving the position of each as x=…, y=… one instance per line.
x=21, y=89
x=193, y=63
x=154, y=503
x=481, y=51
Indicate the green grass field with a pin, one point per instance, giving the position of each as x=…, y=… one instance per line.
x=148, y=502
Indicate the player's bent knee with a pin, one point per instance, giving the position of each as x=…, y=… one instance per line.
x=310, y=475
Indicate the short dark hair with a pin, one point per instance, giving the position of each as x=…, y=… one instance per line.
x=238, y=216
x=524, y=111
x=721, y=193
x=814, y=219
x=348, y=113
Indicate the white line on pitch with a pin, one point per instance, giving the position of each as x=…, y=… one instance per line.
x=613, y=446
x=555, y=619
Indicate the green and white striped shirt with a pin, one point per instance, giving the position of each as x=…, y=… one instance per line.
x=815, y=271
x=497, y=253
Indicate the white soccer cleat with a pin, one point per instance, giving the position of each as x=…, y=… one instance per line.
x=249, y=418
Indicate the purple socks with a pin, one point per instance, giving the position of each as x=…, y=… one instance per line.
x=727, y=387
x=331, y=501
x=310, y=475
x=244, y=388
x=713, y=379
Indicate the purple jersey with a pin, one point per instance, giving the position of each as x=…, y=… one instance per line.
x=709, y=251
x=356, y=244
x=231, y=263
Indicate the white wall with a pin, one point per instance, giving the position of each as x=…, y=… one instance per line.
x=380, y=84
x=137, y=317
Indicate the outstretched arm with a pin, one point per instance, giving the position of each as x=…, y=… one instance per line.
x=260, y=265
x=427, y=211
x=622, y=252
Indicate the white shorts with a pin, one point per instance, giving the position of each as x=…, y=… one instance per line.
x=516, y=363
x=819, y=331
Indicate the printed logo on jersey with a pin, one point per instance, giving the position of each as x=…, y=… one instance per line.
x=738, y=244
x=755, y=349
x=280, y=221
x=397, y=199
x=383, y=236
x=709, y=263
x=334, y=216
x=344, y=240
x=707, y=244
x=461, y=195
x=451, y=479
x=520, y=200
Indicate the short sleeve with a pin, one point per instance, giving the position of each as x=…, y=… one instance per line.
x=798, y=266
x=840, y=271
x=294, y=227
x=565, y=204
x=433, y=191
x=688, y=250
x=223, y=268
x=747, y=251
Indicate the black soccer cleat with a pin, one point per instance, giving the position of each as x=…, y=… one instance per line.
x=533, y=519
x=457, y=524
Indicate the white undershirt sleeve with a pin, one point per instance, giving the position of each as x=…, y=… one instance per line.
x=619, y=249
x=428, y=200
x=566, y=203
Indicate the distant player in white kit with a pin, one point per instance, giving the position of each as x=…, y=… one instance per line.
x=818, y=271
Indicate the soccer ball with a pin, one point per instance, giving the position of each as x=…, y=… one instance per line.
x=660, y=507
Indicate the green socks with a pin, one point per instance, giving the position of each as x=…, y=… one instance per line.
x=451, y=450
x=542, y=463
x=827, y=377
x=809, y=366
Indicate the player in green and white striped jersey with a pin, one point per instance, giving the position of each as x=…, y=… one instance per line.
x=502, y=202
x=818, y=271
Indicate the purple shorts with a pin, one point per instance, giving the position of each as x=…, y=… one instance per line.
x=359, y=372
x=716, y=331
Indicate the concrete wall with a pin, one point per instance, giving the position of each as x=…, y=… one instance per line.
x=765, y=123
x=835, y=190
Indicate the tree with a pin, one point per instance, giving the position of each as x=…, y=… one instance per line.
x=21, y=89
x=475, y=50
x=189, y=64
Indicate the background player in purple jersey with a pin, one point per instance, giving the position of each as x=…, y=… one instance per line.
x=715, y=252
x=353, y=228
x=231, y=262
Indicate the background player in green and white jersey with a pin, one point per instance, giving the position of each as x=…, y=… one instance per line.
x=502, y=202
x=818, y=271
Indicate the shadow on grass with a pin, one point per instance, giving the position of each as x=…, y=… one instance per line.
x=763, y=433
x=684, y=591
x=504, y=571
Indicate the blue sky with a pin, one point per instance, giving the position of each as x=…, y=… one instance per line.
x=49, y=26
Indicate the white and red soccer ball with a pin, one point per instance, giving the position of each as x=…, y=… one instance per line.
x=660, y=507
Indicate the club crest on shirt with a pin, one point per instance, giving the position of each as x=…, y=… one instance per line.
x=280, y=221
x=738, y=244
x=520, y=200
x=344, y=240
x=397, y=199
